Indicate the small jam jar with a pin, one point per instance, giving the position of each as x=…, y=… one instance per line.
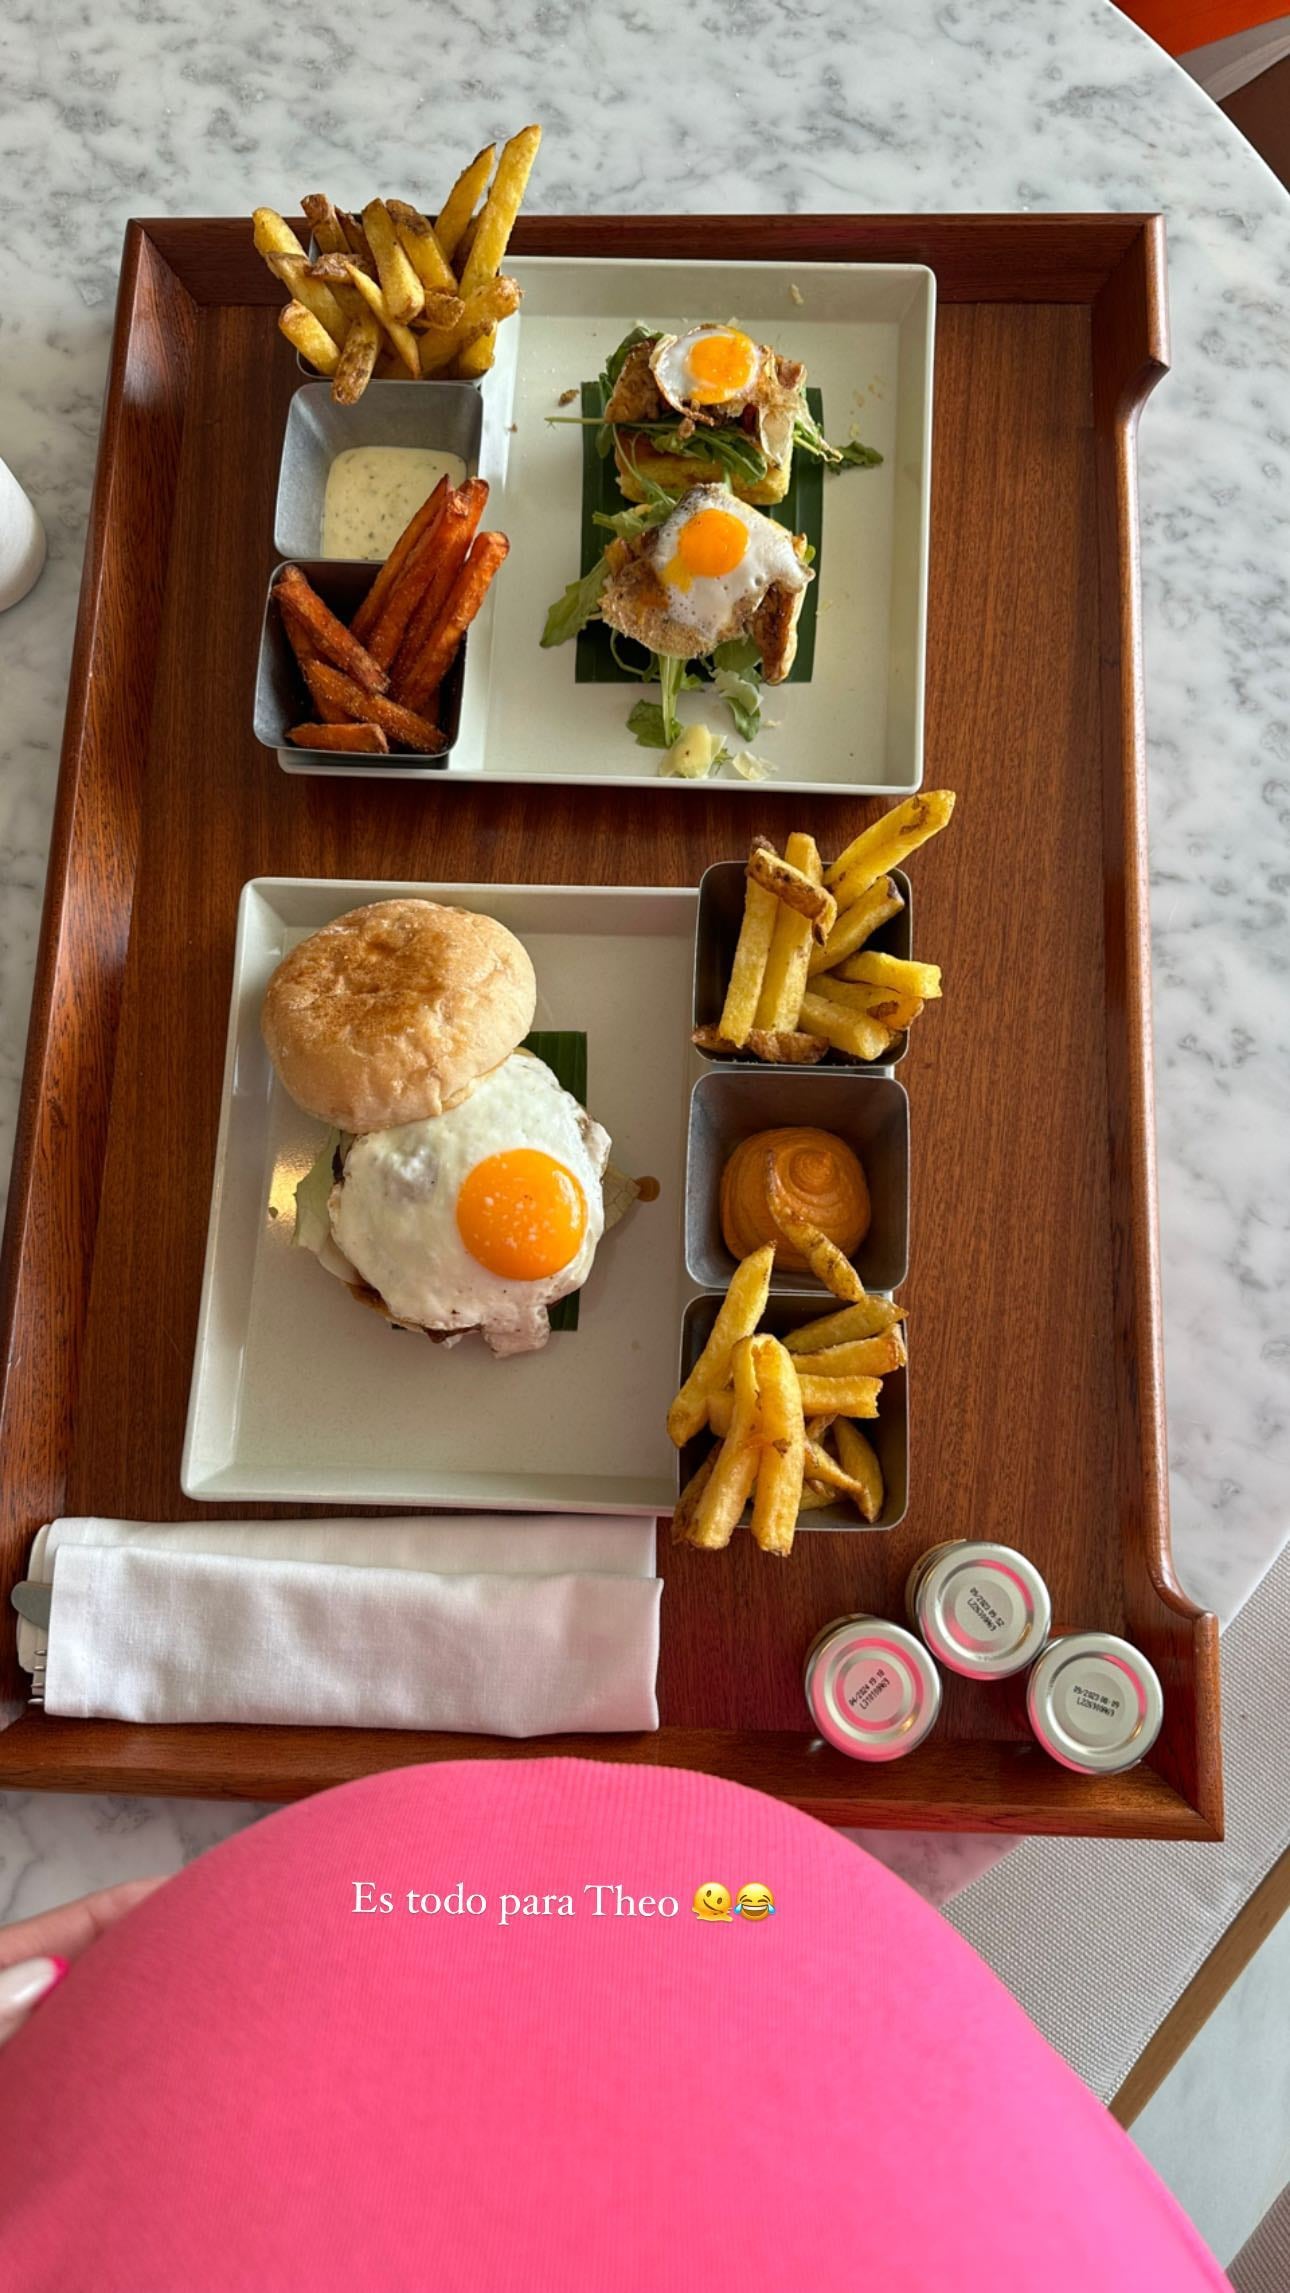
x=872, y=1689
x=1094, y=1703
x=983, y=1609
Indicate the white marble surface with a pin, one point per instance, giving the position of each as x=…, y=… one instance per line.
x=168, y=106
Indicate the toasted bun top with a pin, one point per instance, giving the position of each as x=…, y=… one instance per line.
x=391, y=1013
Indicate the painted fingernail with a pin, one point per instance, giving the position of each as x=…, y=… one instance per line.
x=31, y=1979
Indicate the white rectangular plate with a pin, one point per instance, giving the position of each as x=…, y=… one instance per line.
x=865, y=332
x=300, y=1394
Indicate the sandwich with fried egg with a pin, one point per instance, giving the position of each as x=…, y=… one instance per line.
x=461, y=1187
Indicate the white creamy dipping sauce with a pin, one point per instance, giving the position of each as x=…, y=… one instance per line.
x=372, y=491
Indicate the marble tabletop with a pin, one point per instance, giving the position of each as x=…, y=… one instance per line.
x=771, y=106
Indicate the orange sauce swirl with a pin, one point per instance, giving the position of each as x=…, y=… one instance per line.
x=822, y=1178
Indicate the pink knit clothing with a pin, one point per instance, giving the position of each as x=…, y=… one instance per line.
x=252, y=2086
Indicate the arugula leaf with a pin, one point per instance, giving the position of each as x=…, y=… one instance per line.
x=617, y=359
x=646, y=722
x=656, y=723
x=576, y=606
x=808, y=438
x=738, y=653
x=743, y=699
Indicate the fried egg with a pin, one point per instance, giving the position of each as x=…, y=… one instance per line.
x=709, y=366
x=482, y=1217
x=714, y=554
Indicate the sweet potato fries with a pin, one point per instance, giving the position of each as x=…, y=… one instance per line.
x=375, y=685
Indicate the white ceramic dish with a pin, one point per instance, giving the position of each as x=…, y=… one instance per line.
x=300, y=1395
x=865, y=331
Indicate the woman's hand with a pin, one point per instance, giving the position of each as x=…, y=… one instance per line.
x=35, y=1953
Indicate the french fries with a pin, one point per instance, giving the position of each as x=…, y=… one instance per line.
x=749, y=967
x=417, y=239
x=357, y=359
x=360, y=739
x=804, y=983
x=846, y=1030
x=727, y=1491
x=741, y=1311
x=380, y=676
x=463, y=602
x=781, y=1430
x=781, y=1413
x=432, y=289
x=482, y=312
x=493, y=232
x=867, y=1318
x=402, y=289
x=309, y=336
x=860, y=1460
x=780, y=1002
x=793, y=886
x=887, y=843
x=856, y=924
x=828, y=1264
x=921, y=981
x=775, y=1046
x=462, y=200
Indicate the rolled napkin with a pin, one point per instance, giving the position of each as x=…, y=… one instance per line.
x=517, y=1627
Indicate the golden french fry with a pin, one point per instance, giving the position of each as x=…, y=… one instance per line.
x=793, y=887
x=481, y=312
x=298, y=279
x=861, y=1461
x=867, y=1318
x=416, y=237
x=324, y=222
x=687, y=1504
x=777, y=1047
x=846, y=1030
x=402, y=289
x=273, y=235
x=761, y=909
x=355, y=238
x=872, y=968
x=402, y=337
x=828, y=1264
x=864, y=1492
x=741, y=1310
x=854, y=1396
x=782, y=1433
x=496, y=223
x=888, y=842
x=814, y=1497
x=784, y=984
x=730, y=1486
x=883, y=1005
x=860, y=1357
x=855, y=924
x=354, y=371
x=305, y=334
x=462, y=201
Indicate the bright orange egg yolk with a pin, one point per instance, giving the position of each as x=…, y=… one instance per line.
x=709, y=544
x=720, y=366
x=521, y=1214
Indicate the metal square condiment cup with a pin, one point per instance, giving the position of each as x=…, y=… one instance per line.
x=282, y=699
x=448, y=420
x=888, y=1432
x=721, y=908
x=869, y=1112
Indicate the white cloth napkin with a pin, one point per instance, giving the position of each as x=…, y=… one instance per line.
x=516, y=1626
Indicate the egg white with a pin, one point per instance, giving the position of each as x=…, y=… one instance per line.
x=394, y=1212
x=707, y=602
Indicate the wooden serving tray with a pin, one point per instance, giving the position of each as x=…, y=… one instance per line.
x=1038, y=1408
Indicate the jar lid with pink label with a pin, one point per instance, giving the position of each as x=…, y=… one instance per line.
x=1095, y=1703
x=872, y=1688
x=983, y=1609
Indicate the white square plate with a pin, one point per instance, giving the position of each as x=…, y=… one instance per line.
x=300, y=1395
x=865, y=331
